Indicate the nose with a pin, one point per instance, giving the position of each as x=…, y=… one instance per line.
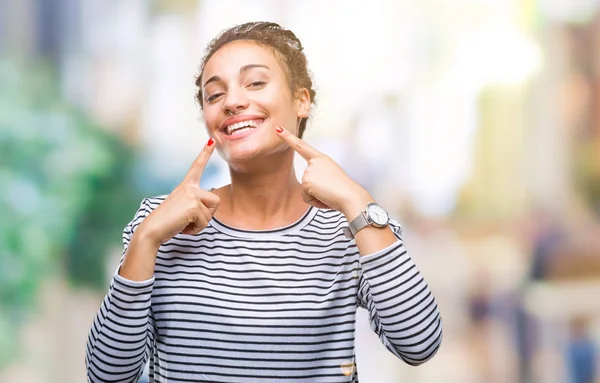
x=235, y=101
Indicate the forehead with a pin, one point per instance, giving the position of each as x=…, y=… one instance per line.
x=228, y=59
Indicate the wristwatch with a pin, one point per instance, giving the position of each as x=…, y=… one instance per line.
x=373, y=215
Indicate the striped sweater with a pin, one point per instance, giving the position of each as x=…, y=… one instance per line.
x=230, y=305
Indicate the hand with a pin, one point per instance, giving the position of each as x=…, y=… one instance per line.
x=324, y=183
x=188, y=209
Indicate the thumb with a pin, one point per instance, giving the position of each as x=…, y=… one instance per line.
x=211, y=201
x=311, y=200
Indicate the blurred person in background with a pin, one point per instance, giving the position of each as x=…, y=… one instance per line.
x=259, y=280
x=582, y=353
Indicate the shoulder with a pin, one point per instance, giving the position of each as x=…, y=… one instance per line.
x=153, y=202
x=328, y=216
x=146, y=207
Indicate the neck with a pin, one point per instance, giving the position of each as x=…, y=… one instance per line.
x=265, y=195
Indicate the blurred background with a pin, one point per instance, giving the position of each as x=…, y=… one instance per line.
x=476, y=122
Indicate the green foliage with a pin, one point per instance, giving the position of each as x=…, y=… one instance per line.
x=65, y=189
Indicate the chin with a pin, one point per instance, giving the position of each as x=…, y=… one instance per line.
x=241, y=155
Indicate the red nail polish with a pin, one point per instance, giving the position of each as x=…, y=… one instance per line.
x=210, y=141
x=279, y=129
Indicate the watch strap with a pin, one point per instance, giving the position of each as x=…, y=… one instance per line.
x=358, y=223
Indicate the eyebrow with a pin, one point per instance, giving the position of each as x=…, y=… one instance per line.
x=242, y=70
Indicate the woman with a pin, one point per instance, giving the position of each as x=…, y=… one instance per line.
x=259, y=281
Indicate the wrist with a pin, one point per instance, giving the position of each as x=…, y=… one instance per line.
x=356, y=204
x=144, y=236
x=139, y=261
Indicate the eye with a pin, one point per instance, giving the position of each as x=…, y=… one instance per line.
x=257, y=84
x=214, y=97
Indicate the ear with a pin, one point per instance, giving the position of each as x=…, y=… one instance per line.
x=302, y=97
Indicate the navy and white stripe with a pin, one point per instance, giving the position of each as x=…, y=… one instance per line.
x=231, y=305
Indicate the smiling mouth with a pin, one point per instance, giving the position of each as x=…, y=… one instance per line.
x=242, y=126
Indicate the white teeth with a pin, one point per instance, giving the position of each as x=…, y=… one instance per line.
x=240, y=130
x=242, y=124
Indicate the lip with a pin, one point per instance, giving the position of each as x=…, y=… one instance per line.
x=240, y=118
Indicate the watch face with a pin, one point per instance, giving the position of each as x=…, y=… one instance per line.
x=377, y=214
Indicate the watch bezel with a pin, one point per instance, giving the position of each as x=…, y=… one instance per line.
x=370, y=217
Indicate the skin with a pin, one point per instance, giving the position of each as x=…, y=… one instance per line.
x=264, y=192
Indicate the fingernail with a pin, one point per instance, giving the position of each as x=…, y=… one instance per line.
x=279, y=129
x=210, y=141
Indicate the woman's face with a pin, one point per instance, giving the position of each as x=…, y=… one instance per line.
x=246, y=79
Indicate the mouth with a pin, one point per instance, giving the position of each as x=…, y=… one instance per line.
x=239, y=126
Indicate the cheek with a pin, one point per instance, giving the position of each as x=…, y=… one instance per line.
x=280, y=103
x=210, y=117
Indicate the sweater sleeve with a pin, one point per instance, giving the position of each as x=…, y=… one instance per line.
x=402, y=309
x=122, y=334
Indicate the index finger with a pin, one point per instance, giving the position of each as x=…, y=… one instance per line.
x=195, y=173
x=300, y=146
